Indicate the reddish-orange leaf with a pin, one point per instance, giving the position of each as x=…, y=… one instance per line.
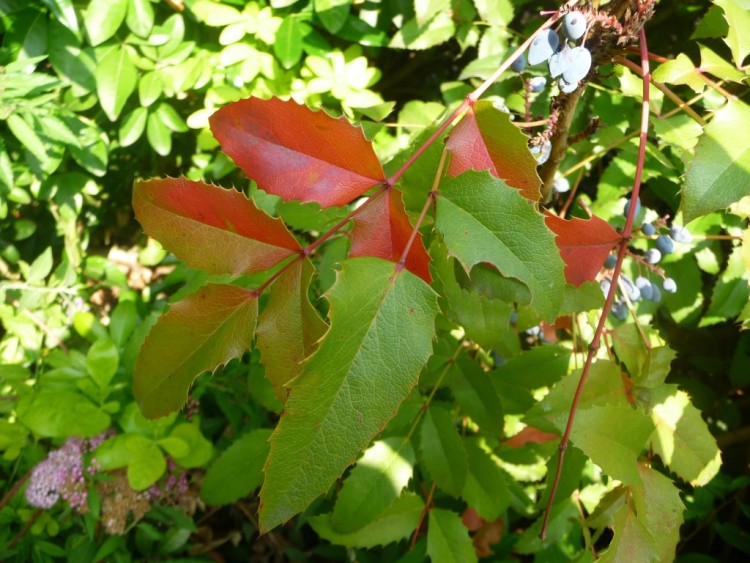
x=211, y=228
x=383, y=229
x=288, y=327
x=584, y=245
x=485, y=139
x=530, y=435
x=297, y=153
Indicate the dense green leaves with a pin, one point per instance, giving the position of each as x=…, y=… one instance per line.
x=116, y=77
x=377, y=316
x=442, y=451
x=199, y=333
x=478, y=217
x=448, y=539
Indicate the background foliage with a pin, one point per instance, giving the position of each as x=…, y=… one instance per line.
x=96, y=94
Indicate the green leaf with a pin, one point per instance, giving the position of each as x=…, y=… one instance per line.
x=395, y=523
x=103, y=18
x=102, y=360
x=332, y=13
x=477, y=397
x=442, y=451
x=199, y=450
x=69, y=60
x=59, y=414
x=738, y=17
x=448, y=539
x=27, y=136
x=659, y=506
x=140, y=17
x=122, y=322
x=150, y=87
x=41, y=267
x=174, y=446
x=681, y=438
x=116, y=78
x=719, y=174
x=200, y=333
x=159, y=136
x=288, y=44
x=375, y=482
x=238, y=471
x=132, y=126
x=411, y=36
x=65, y=12
x=379, y=317
x=633, y=540
x=714, y=64
x=679, y=70
x=146, y=463
x=485, y=490
x=484, y=220
x=215, y=14
x=288, y=327
x=170, y=118
x=613, y=437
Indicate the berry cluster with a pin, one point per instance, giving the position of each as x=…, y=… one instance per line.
x=664, y=242
x=567, y=62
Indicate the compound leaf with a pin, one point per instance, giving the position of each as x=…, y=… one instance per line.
x=296, y=153
x=382, y=326
x=210, y=228
x=199, y=333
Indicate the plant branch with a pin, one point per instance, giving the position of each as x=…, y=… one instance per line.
x=623, y=245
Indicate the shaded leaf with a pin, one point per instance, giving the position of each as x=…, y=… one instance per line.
x=442, y=450
x=217, y=230
x=584, y=245
x=477, y=397
x=485, y=490
x=375, y=482
x=382, y=230
x=632, y=540
x=719, y=174
x=288, y=327
x=200, y=333
x=397, y=522
x=483, y=220
x=382, y=325
x=659, y=506
x=486, y=139
x=333, y=13
x=448, y=539
x=297, y=153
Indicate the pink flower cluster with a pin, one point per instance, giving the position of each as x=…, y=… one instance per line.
x=174, y=486
x=62, y=474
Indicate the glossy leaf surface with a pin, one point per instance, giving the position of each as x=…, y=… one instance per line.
x=584, y=245
x=211, y=228
x=486, y=139
x=200, y=333
x=296, y=153
x=378, y=318
x=382, y=230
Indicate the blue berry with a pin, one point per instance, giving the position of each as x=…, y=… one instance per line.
x=634, y=294
x=566, y=88
x=648, y=229
x=559, y=62
x=574, y=25
x=537, y=84
x=605, y=285
x=680, y=234
x=543, y=46
x=561, y=185
x=664, y=244
x=652, y=256
x=637, y=207
x=670, y=286
x=541, y=152
x=655, y=293
x=579, y=65
x=644, y=286
x=519, y=64
x=620, y=310
x=610, y=262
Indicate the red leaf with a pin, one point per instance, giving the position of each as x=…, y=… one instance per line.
x=485, y=139
x=211, y=228
x=199, y=333
x=297, y=153
x=584, y=245
x=288, y=327
x=530, y=435
x=383, y=229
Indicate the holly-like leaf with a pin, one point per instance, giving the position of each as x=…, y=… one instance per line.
x=211, y=228
x=382, y=230
x=375, y=482
x=442, y=451
x=486, y=139
x=584, y=245
x=632, y=541
x=200, y=333
x=719, y=174
x=382, y=326
x=738, y=18
x=483, y=220
x=288, y=327
x=681, y=438
x=296, y=153
x=659, y=506
x=448, y=539
x=395, y=523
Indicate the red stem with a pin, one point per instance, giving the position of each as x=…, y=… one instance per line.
x=621, y=251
